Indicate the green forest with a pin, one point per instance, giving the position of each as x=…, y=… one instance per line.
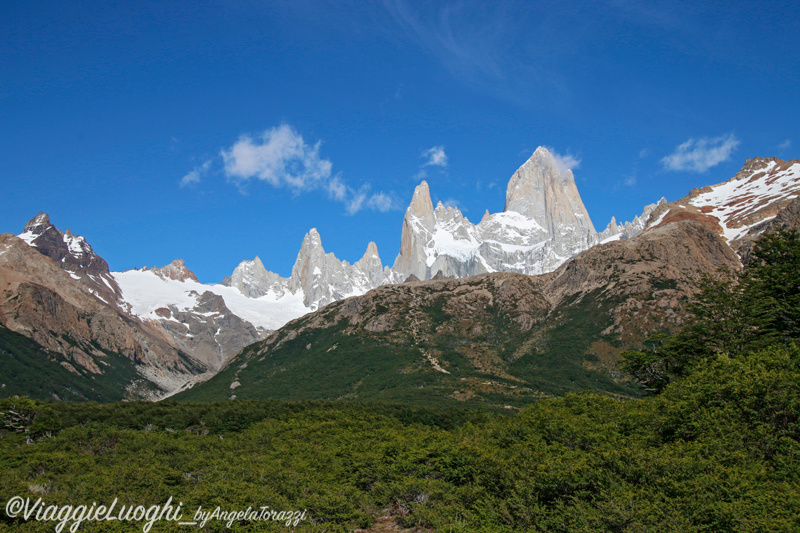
x=712, y=444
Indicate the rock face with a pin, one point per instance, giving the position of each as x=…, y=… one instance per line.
x=73, y=255
x=544, y=224
x=254, y=281
x=176, y=271
x=209, y=331
x=58, y=309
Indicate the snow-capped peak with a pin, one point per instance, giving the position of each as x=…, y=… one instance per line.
x=35, y=227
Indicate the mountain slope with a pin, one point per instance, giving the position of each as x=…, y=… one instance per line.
x=498, y=339
x=60, y=311
x=740, y=208
x=29, y=369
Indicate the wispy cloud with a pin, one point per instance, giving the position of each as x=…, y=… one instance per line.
x=435, y=157
x=466, y=42
x=785, y=144
x=452, y=202
x=564, y=162
x=507, y=48
x=281, y=157
x=196, y=175
x=363, y=198
x=699, y=155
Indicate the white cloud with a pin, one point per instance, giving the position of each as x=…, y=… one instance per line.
x=196, y=175
x=698, y=155
x=356, y=202
x=565, y=162
x=282, y=158
x=435, y=157
x=785, y=144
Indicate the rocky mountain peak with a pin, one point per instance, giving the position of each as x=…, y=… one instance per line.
x=38, y=226
x=42, y=220
x=175, y=271
x=611, y=230
x=70, y=251
x=312, y=241
x=544, y=191
x=254, y=281
x=421, y=205
x=372, y=251
x=371, y=266
x=323, y=278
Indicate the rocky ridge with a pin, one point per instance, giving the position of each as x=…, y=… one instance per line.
x=59, y=293
x=494, y=337
x=59, y=310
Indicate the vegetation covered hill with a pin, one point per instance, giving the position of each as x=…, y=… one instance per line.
x=27, y=368
x=496, y=339
x=715, y=452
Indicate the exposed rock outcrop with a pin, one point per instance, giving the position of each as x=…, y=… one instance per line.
x=73, y=255
x=254, y=281
x=209, y=331
x=175, y=271
x=56, y=309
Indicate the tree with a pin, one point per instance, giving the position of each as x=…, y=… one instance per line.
x=733, y=313
x=649, y=367
x=775, y=275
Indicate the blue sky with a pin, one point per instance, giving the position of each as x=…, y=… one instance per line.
x=218, y=131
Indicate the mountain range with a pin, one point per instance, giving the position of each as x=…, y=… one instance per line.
x=150, y=332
